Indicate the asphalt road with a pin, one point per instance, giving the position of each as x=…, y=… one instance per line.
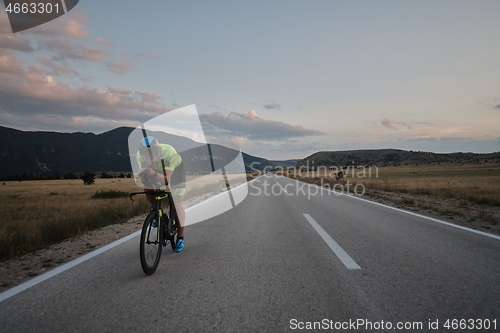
x=280, y=261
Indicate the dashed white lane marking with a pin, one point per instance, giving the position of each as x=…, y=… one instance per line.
x=343, y=256
x=394, y=208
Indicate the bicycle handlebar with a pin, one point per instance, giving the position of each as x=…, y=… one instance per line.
x=155, y=192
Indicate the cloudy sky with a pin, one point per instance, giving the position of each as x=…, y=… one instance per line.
x=282, y=79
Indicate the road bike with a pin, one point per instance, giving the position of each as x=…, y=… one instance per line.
x=159, y=229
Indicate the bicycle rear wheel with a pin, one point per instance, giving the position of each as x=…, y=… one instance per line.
x=151, y=244
x=171, y=227
x=173, y=231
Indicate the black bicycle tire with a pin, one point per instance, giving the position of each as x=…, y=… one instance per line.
x=172, y=239
x=172, y=227
x=146, y=267
x=165, y=227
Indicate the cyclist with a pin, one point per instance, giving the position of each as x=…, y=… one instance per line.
x=160, y=164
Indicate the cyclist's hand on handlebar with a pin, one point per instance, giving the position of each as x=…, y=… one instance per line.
x=146, y=172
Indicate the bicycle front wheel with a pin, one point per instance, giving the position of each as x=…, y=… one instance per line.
x=151, y=244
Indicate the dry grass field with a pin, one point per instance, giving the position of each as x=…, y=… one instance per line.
x=478, y=183
x=35, y=214
x=54, y=222
x=470, y=191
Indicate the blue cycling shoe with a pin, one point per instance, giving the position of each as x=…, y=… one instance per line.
x=179, y=246
x=154, y=224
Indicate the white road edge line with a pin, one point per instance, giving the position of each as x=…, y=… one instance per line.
x=22, y=287
x=400, y=210
x=28, y=284
x=341, y=254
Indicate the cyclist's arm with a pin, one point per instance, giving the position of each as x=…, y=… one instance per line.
x=160, y=177
x=165, y=175
x=174, y=162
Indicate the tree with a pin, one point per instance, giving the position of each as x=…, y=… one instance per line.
x=88, y=178
x=70, y=175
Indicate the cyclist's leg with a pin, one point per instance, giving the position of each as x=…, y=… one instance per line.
x=178, y=186
x=181, y=213
x=150, y=197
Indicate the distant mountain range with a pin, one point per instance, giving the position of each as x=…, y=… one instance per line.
x=48, y=153
x=384, y=157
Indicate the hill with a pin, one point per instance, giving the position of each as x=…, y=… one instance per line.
x=383, y=157
x=52, y=152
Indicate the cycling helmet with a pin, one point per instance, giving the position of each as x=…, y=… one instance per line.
x=149, y=145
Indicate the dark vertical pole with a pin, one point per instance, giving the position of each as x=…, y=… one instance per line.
x=226, y=180
x=149, y=148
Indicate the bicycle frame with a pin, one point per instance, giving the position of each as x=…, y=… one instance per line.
x=159, y=196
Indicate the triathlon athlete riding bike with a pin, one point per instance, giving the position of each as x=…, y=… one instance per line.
x=160, y=164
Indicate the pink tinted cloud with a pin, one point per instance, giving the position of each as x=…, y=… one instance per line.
x=404, y=124
x=33, y=95
x=74, y=27
x=419, y=122
x=71, y=25
x=101, y=41
x=50, y=122
x=253, y=127
x=36, y=69
x=119, y=67
x=58, y=37
x=29, y=92
x=65, y=49
x=10, y=41
x=9, y=63
x=272, y=106
x=92, y=54
x=387, y=122
x=59, y=70
x=149, y=97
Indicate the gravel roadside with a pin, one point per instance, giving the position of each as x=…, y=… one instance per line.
x=18, y=270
